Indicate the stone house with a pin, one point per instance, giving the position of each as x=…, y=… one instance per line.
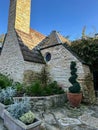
x=26, y=50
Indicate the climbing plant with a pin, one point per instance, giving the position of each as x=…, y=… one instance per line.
x=86, y=49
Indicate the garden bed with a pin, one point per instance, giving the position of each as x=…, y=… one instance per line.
x=46, y=102
x=15, y=124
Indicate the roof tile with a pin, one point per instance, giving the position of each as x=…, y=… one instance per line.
x=53, y=39
x=32, y=39
x=33, y=55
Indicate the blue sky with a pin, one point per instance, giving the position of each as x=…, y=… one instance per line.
x=66, y=16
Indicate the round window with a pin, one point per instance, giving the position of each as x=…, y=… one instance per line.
x=48, y=56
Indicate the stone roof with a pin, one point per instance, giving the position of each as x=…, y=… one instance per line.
x=32, y=39
x=52, y=40
x=25, y=41
x=31, y=49
x=63, y=39
x=57, y=39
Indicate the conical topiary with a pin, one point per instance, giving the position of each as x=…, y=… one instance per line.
x=75, y=88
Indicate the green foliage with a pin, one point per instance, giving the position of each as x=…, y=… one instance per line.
x=19, y=88
x=44, y=77
x=72, y=79
x=37, y=89
x=27, y=118
x=42, y=87
x=86, y=49
x=75, y=88
x=55, y=88
x=5, y=81
x=19, y=107
x=6, y=95
x=73, y=71
x=34, y=89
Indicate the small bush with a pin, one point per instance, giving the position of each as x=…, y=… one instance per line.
x=2, y=84
x=43, y=86
x=6, y=95
x=19, y=107
x=20, y=89
x=34, y=89
x=75, y=88
x=55, y=88
x=27, y=118
x=5, y=81
x=44, y=77
x=38, y=89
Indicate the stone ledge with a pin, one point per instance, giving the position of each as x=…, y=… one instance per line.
x=46, y=102
x=2, y=108
x=15, y=124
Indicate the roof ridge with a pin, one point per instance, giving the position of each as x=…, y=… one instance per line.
x=37, y=32
x=58, y=39
x=73, y=53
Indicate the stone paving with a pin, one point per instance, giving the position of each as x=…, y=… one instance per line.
x=2, y=126
x=67, y=118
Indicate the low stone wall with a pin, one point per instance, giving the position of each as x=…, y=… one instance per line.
x=2, y=108
x=47, y=102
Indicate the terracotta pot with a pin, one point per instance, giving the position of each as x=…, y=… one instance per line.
x=74, y=99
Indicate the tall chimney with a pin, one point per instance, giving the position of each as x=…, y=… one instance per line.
x=19, y=15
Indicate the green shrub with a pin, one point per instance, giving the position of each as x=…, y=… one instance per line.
x=43, y=86
x=2, y=84
x=19, y=107
x=5, y=81
x=55, y=88
x=20, y=89
x=27, y=118
x=44, y=77
x=38, y=89
x=75, y=88
x=6, y=95
x=34, y=89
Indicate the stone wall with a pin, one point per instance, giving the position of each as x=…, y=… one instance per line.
x=88, y=86
x=46, y=102
x=12, y=62
x=59, y=69
x=32, y=71
x=12, y=15
x=59, y=65
x=19, y=15
x=11, y=59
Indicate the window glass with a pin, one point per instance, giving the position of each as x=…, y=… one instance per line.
x=48, y=56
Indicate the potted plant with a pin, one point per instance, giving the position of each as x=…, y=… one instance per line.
x=6, y=98
x=74, y=95
x=19, y=117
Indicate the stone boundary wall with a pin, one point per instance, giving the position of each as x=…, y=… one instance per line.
x=46, y=102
